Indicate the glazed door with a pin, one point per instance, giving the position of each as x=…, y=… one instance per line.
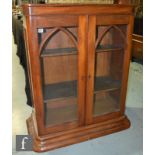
x=62, y=53
x=108, y=61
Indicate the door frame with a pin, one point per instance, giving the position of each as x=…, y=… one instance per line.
x=92, y=22
x=39, y=113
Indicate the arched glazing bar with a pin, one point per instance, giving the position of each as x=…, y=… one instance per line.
x=106, y=30
x=55, y=31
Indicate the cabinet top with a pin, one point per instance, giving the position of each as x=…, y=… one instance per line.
x=76, y=9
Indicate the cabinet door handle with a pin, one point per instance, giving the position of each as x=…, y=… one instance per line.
x=89, y=77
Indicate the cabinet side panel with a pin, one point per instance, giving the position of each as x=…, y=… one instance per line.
x=126, y=63
x=34, y=68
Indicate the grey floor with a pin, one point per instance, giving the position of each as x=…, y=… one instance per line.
x=127, y=142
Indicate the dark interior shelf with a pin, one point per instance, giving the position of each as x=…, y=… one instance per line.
x=60, y=90
x=67, y=89
x=73, y=51
x=59, y=51
x=103, y=84
x=109, y=48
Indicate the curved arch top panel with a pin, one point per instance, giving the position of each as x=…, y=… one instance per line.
x=109, y=35
x=58, y=39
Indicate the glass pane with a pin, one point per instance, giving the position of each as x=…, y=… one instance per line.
x=59, y=75
x=108, y=68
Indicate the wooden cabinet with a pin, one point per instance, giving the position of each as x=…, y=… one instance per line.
x=78, y=59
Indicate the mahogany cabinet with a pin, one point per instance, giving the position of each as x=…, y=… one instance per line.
x=78, y=60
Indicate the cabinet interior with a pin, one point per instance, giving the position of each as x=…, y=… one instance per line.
x=59, y=66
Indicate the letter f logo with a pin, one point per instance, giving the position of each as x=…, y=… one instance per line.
x=23, y=143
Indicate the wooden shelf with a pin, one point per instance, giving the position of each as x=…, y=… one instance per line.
x=108, y=48
x=104, y=84
x=61, y=115
x=67, y=89
x=60, y=91
x=104, y=105
x=73, y=51
x=59, y=52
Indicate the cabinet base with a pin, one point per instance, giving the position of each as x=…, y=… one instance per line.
x=61, y=139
